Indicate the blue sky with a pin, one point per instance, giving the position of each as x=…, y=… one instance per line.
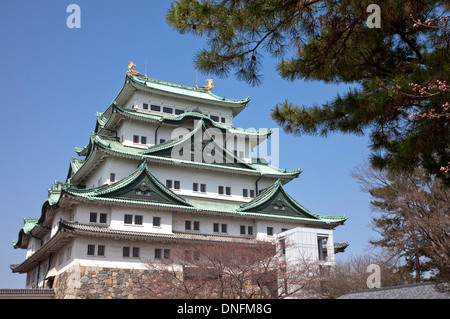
x=54, y=79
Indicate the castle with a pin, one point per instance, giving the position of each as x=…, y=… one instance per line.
x=164, y=165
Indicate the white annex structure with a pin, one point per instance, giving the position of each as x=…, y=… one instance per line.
x=164, y=165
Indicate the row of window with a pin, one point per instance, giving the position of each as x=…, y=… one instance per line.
x=171, y=110
x=196, y=187
x=188, y=224
x=127, y=252
x=139, y=139
x=165, y=109
x=222, y=190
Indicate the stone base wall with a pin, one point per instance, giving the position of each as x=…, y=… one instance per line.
x=80, y=282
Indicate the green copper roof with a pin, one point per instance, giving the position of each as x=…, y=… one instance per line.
x=161, y=153
x=138, y=186
x=104, y=119
x=183, y=90
x=275, y=200
x=28, y=226
x=123, y=191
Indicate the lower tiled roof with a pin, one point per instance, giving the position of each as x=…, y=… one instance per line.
x=425, y=290
x=95, y=229
x=26, y=293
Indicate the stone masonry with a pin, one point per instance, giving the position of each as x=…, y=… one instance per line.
x=80, y=282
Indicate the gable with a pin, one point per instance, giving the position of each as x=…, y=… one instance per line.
x=281, y=204
x=204, y=144
x=143, y=188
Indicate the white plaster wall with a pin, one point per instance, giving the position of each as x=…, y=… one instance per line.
x=117, y=220
x=212, y=179
x=138, y=98
x=121, y=167
x=114, y=252
x=302, y=244
x=129, y=128
x=82, y=212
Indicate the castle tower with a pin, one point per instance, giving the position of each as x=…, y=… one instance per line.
x=165, y=165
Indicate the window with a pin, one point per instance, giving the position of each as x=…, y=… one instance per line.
x=145, y=106
x=162, y=140
x=269, y=231
x=134, y=251
x=93, y=217
x=167, y=110
x=176, y=184
x=196, y=189
x=248, y=228
x=221, y=190
x=168, y=183
x=162, y=253
x=252, y=193
x=178, y=111
x=222, y=119
x=166, y=253
x=69, y=252
x=102, y=218
x=155, y=108
x=156, y=221
x=321, y=245
x=228, y=190
x=187, y=225
x=112, y=177
x=214, y=118
x=100, y=250
x=128, y=219
x=60, y=258
x=196, y=225
x=223, y=227
x=245, y=192
x=138, y=219
x=139, y=139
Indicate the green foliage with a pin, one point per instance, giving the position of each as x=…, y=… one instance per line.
x=329, y=41
x=412, y=220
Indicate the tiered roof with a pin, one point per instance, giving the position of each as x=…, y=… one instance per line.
x=101, y=146
x=142, y=189
x=186, y=92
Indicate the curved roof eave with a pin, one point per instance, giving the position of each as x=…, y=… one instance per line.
x=133, y=83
